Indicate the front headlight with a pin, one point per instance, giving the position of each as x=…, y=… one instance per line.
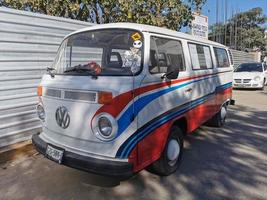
x=40, y=112
x=105, y=127
x=257, y=78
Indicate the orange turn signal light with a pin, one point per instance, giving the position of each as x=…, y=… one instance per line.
x=39, y=91
x=104, y=97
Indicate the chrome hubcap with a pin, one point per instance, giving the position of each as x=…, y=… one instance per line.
x=173, y=151
x=223, y=113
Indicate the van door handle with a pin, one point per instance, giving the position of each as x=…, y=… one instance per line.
x=188, y=90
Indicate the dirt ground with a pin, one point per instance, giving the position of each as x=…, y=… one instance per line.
x=226, y=163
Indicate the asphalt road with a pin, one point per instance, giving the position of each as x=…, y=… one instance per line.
x=226, y=163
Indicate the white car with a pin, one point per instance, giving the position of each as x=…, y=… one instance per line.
x=250, y=75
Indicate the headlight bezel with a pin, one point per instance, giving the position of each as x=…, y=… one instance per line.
x=97, y=130
x=40, y=112
x=257, y=78
x=105, y=126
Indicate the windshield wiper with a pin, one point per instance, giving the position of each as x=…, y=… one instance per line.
x=78, y=68
x=81, y=69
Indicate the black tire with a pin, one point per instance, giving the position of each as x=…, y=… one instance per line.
x=164, y=166
x=218, y=120
x=263, y=84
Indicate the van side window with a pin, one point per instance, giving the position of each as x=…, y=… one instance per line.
x=221, y=57
x=200, y=56
x=231, y=57
x=164, y=54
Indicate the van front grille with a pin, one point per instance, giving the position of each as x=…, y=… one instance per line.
x=83, y=96
x=52, y=93
x=87, y=96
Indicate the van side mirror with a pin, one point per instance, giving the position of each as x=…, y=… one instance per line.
x=49, y=70
x=173, y=74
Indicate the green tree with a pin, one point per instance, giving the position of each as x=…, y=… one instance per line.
x=73, y=9
x=172, y=14
x=243, y=31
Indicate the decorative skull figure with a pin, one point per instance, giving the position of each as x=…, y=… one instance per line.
x=137, y=44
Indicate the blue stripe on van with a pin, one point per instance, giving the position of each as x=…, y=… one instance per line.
x=126, y=118
x=223, y=87
x=132, y=141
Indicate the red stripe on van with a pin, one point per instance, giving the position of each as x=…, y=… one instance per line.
x=150, y=148
x=118, y=103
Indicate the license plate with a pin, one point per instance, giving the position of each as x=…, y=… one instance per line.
x=54, y=154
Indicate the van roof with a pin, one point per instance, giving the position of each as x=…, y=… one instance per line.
x=149, y=28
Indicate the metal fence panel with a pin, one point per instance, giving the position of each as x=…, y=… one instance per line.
x=244, y=57
x=28, y=44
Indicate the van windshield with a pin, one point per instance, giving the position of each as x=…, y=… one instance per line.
x=101, y=52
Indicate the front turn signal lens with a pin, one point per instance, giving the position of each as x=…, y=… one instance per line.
x=104, y=97
x=39, y=91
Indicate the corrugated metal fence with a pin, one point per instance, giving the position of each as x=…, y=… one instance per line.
x=28, y=43
x=243, y=57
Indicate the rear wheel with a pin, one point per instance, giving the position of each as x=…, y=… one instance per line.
x=219, y=118
x=263, y=84
x=171, y=156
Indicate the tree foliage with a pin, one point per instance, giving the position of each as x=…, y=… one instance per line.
x=172, y=14
x=243, y=31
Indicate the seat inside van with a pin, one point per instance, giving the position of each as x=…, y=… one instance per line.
x=115, y=60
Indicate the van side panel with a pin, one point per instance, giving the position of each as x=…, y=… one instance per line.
x=200, y=114
x=150, y=147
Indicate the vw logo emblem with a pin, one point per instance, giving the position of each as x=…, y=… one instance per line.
x=63, y=117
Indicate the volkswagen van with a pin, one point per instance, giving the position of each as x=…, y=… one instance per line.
x=121, y=97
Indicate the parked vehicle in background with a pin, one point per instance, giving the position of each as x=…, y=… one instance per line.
x=121, y=97
x=250, y=75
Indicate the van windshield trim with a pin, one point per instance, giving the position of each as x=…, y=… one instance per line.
x=120, y=30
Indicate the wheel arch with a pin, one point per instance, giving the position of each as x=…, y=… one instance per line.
x=182, y=124
x=227, y=102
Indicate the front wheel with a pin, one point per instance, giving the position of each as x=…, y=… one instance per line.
x=171, y=156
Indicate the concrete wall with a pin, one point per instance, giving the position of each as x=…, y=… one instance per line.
x=28, y=44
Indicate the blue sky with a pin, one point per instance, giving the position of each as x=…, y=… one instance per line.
x=209, y=8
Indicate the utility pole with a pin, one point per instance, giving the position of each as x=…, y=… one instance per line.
x=225, y=23
x=231, y=28
x=235, y=30
x=241, y=32
x=220, y=24
x=217, y=24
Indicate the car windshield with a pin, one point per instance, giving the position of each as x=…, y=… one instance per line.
x=101, y=52
x=249, y=67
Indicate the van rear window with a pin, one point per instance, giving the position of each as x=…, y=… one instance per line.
x=221, y=57
x=200, y=56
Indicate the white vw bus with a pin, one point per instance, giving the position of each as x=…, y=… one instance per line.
x=121, y=97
